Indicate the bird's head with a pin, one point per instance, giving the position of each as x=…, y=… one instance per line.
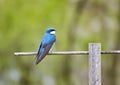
x=50, y=31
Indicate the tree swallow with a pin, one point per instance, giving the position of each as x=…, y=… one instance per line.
x=46, y=44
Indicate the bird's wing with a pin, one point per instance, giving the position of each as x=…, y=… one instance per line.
x=46, y=49
x=38, y=53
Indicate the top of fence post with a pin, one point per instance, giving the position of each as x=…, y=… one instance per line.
x=94, y=64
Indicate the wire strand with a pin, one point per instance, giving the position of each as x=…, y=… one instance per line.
x=66, y=53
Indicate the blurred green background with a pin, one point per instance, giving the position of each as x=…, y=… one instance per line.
x=77, y=22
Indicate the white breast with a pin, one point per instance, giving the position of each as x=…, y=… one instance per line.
x=53, y=32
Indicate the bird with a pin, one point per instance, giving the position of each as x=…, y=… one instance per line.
x=46, y=44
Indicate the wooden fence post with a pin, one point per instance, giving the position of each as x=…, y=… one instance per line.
x=94, y=64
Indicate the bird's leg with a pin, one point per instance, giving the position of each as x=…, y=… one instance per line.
x=52, y=48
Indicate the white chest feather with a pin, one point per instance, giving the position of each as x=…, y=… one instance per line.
x=53, y=32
